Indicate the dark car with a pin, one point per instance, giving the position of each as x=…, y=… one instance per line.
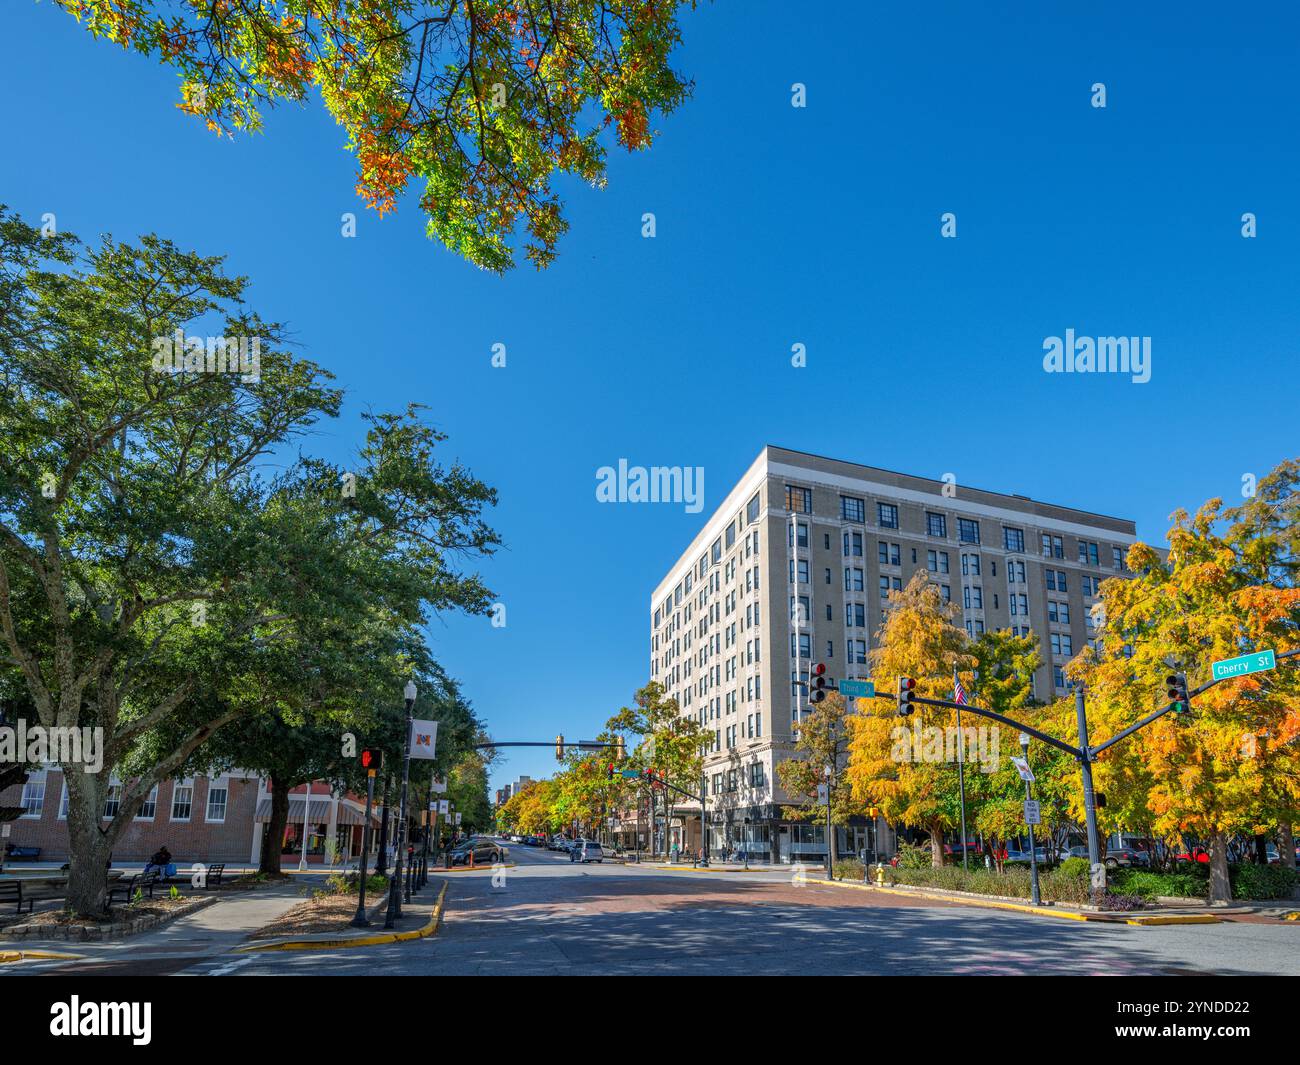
x=1126, y=856
x=485, y=851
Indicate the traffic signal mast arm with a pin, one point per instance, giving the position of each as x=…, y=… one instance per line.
x=973, y=709
x=1172, y=707
x=1061, y=744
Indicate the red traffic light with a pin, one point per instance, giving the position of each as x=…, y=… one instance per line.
x=819, y=683
x=371, y=758
x=905, y=687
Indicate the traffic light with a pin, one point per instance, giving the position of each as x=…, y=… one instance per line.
x=1176, y=685
x=905, y=688
x=559, y=748
x=609, y=771
x=818, y=692
x=620, y=749
x=371, y=758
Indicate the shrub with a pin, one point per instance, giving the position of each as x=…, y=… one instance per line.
x=1262, y=881
x=910, y=856
x=850, y=869
x=1122, y=903
x=1074, y=867
x=1149, y=884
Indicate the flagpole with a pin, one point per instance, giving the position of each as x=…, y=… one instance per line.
x=961, y=772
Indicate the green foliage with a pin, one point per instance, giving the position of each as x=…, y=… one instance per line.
x=1011, y=883
x=1251, y=881
x=849, y=869
x=1150, y=885
x=913, y=856
x=1074, y=867
x=487, y=103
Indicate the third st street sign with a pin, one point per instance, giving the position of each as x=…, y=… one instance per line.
x=1243, y=664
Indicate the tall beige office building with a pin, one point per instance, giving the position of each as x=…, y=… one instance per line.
x=795, y=567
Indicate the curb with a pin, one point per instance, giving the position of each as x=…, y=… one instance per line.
x=1040, y=911
x=347, y=942
x=696, y=869
x=1174, y=918
x=37, y=955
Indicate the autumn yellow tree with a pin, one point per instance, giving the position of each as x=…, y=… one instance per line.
x=1229, y=764
x=919, y=638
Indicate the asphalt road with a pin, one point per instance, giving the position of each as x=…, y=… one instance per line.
x=546, y=915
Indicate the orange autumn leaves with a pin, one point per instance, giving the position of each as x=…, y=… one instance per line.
x=486, y=102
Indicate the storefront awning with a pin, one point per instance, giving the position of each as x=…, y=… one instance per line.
x=320, y=812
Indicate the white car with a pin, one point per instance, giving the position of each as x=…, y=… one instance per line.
x=586, y=850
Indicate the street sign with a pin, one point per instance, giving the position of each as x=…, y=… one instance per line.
x=1022, y=767
x=1243, y=664
x=630, y=774
x=857, y=689
x=1031, y=812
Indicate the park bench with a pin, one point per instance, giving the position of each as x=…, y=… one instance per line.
x=143, y=882
x=13, y=889
x=14, y=853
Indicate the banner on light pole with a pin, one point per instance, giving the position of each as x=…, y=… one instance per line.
x=424, y=739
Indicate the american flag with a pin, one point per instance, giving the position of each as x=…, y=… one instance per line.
x=958, y=692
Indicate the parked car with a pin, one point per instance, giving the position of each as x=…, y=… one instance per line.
x=486, y=851
x=1075, y=852
x=1197, y=854
x=1124, y=857
x=586, y=850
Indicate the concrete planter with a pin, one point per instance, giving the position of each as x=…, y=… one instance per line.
x=117, y=930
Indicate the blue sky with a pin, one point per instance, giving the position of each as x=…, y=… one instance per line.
x=775, y=226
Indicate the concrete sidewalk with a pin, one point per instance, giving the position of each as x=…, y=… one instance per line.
x=215, y=929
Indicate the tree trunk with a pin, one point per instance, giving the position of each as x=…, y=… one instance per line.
x=936, y=846
x=273, y=843
x=1220, y=886
x=1286, y=844
x=90, y=848
x=1261, y=849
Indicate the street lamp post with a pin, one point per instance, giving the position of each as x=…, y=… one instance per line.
x=395, y=884
x=1034, y=897
x=360, y=921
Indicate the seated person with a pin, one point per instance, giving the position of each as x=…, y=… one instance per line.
x=159, y=862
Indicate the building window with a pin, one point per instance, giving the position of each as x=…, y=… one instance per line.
x=936, y=524
x=1117, y=556
x=853, y=509
x=756, y=777
x=751, y=511
x=890, y=554
x=887, y=515
x=1088, y=553
x=804, y=645
x=853, y=578
x=216, y=803
x=968, y=531
x=938, y=561
x=798, y=500
x=182, y=797
x=887, y=582
x=1015, y=571
x=33, y=798
x=852, y=545
x=803, y=534
x=149, y=807
x=1053, y=546
x=1058, y=677
x=1013, y=539
x=970, y=565
x=946, y=591
x=113, y=801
